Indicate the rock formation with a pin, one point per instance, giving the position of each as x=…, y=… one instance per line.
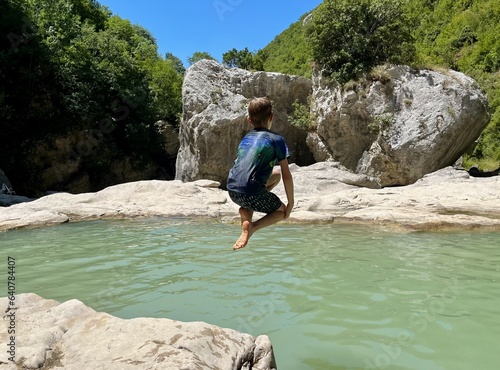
x=214, y=119
x=447, y=198
x=83, y=160
x=71, y=335
x=5, y=184
x=398, y=126
x=63, y=161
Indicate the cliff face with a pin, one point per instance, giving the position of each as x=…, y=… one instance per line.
x=82, y=161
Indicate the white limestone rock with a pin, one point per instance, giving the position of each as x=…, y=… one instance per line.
x=323, y=192
x=73, y=336
x=397, y=129
x=214, y=121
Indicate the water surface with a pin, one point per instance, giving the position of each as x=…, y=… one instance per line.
x=329, y=296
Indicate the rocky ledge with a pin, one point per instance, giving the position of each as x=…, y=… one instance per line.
x=70, y=335
x=324, y=192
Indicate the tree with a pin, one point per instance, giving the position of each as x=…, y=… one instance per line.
x=244, y=59
x=238, y=58
x=166, y=90
x=199, y=55
x=290, y=52
x=176, y=63
x=350, y=37
x=68, y=66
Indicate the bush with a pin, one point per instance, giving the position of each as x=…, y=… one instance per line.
x=301, y=116
x=350, y=37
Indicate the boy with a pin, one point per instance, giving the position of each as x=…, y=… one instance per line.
x=253, y=175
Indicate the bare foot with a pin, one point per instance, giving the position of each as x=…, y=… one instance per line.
x=246, y=232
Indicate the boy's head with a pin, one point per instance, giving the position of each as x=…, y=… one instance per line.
x=260, y=112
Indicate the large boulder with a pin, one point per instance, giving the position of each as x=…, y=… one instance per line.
x=70, y=335
x=214, y=117
x=399, y=125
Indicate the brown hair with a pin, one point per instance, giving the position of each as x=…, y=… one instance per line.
x=259, y=111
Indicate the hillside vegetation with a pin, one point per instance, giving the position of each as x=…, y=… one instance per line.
x=457, y=34
x=290, y=52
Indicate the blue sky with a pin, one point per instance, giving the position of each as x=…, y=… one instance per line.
x=183, y=27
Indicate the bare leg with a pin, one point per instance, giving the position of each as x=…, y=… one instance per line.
x=274, y=179
x=246, y=228
x=269, y=219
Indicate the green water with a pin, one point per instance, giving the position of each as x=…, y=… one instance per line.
x=328, y=296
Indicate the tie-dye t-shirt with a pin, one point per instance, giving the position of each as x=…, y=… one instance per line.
x=258, y=153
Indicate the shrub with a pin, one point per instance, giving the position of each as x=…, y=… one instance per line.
x=350, y=37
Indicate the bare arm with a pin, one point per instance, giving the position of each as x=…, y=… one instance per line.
x=288, y=183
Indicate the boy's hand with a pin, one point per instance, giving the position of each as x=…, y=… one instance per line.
x=288, y=210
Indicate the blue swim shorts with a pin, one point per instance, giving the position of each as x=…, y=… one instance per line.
x=265, y=203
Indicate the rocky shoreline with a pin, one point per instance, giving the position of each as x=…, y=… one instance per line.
x=70, y=335
x=57, y=334
x=324, y=192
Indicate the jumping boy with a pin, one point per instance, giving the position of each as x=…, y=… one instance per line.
x=253, y=175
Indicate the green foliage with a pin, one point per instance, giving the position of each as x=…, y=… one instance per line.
x=301, y=116
x=67, y=65
x=469, y=41
x=176, y=63
x=244, y=59
x=350, y=37
x=166, y=89
x=290, y=52
x=199, y=55
x=381, y=122
x=483, y=164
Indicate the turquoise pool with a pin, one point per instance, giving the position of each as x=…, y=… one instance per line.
x=329, y=296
